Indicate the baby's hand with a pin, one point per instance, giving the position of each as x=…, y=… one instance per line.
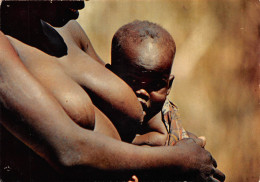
x=199, y=140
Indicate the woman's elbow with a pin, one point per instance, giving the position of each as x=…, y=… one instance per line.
x=130, y=105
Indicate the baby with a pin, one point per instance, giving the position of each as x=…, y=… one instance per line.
x=142, y=55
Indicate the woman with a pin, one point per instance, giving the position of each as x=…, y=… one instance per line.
x=46, y=86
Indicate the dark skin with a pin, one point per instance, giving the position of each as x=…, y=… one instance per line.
x=146, y=67
x=39, y=96
x=142, y=55
x=77, y=103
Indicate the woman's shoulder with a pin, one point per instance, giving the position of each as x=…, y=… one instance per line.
x=74, y=29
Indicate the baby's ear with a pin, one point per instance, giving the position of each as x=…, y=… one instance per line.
x=170, y=83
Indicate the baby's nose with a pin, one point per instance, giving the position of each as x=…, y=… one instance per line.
x=142, y=93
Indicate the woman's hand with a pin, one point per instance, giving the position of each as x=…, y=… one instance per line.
x=197, y=162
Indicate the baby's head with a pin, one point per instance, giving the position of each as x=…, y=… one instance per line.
x=142, y=55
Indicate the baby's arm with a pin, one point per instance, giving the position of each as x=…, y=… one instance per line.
x=155, y=135
x=153, y=138
x=159, y=136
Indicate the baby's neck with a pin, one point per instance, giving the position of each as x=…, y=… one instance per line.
x=156, y=117
x=153, y=117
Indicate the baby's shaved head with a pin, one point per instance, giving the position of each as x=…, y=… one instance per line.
x=142, y=55
x=142, y=35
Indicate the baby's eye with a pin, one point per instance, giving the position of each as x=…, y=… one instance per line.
x=130, y=81
x=157, y=85
x=133, y=81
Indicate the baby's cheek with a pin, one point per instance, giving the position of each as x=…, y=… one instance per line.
x=157, y=100
x=158, y=97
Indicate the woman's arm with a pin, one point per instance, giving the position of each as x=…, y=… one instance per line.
x=107, y=91
x=72, y=149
